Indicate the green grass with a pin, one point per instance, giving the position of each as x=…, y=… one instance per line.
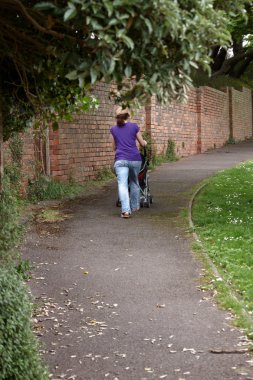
x=223, y=218
x=51, y=215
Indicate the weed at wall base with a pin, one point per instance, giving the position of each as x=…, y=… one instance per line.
x=230, y=141
x=45, y=188
x=171, y=151
x=158, y=159
x=105, y=174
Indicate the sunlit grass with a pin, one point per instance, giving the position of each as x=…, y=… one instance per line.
x=223, y=218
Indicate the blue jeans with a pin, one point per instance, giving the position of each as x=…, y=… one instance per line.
x=127, y=175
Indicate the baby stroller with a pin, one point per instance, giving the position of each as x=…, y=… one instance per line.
x=146, y=198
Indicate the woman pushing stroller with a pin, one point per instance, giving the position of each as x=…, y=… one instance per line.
x=127, y=161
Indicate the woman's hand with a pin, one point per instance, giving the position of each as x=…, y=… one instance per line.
x=141, y=140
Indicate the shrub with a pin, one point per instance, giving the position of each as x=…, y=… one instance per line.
x=19, y=358
x=10, y=230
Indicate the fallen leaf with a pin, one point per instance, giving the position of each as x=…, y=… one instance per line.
x=192, y=350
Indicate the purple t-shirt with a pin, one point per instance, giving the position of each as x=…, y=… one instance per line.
x=125, y=140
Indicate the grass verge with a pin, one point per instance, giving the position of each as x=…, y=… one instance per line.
x=223, y=219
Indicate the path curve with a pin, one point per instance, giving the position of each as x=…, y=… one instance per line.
x=120, y=299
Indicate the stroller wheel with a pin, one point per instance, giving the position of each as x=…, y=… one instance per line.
x=147, y=203
x=151, y=199
x=118, y=203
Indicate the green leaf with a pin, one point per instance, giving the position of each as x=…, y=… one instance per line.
x=149, y=25
x=93, y=74
x=112, y=66
x=44, y=6
x=128, y=71
x=128, y=42
x=112, y=22
x=81, y=81
x=70, y=13
x=109, y=7
x=95, y=25
x=193, y=64
x=72, y=75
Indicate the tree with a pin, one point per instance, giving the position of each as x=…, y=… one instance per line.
x=237, y=62
x=232, y=65
x=54, y=52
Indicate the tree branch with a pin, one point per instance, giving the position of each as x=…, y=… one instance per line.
x=12, y=34
x=219, y=57
x=230, y=63
x=34, y=22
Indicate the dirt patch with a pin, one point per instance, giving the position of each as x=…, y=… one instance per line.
x=48, y=221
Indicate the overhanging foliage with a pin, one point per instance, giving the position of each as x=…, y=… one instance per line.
x=53, y=52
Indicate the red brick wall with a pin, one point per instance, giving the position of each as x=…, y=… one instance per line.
x=81, y=149
x=241, y=117
x=28, y=155
x=177, y=122
x=214, y=118
x=202, y=123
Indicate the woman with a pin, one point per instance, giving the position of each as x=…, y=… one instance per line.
x=127, y=161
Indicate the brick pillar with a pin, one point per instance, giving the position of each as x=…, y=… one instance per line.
x=54, y=145
x=148, y=117
x=199, y=111
x=230, y=113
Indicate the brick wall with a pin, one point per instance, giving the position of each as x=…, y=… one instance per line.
x=177, y=122
x=241, y=117
x=82, y=148
x=28, y=157
x=206, y=121
x=214, y=115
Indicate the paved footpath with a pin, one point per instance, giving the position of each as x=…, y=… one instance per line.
x=121, y=299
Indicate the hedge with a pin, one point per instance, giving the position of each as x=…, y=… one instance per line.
x=19, y=354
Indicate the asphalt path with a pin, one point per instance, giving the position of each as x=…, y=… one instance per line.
x=121, y=299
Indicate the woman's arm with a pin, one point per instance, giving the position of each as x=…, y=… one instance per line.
x=140, y=139
x=113, y=142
